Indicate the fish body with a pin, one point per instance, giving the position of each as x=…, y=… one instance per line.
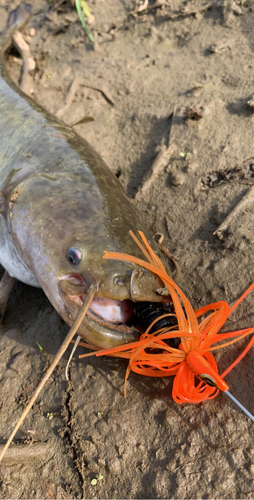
x=60, y=208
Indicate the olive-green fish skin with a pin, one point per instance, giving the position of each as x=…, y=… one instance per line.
x=55, y=193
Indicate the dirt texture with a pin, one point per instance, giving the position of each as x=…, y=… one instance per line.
x=174, y=79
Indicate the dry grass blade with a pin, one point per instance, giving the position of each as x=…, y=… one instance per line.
x=89, y=297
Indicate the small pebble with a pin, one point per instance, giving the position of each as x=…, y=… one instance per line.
x=250, y=103
x=177, y=178
x=194, y=113
x=32, y=32
x=114, y=466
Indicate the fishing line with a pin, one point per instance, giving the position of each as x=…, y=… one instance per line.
x=240, y=405
x=71, y=356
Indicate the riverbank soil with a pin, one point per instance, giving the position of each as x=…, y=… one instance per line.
x=174, y=76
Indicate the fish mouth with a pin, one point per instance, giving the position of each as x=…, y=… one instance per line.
x=114, y=314
x=101, y=326
x=108, y=322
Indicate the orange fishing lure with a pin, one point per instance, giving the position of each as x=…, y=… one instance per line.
x=193, y=364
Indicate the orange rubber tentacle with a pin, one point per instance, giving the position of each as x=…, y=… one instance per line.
x=184, y=389
x=129, y=258
x=213, y=306
x=149, y=343
x=242, y=298
x=143, y=342
x=168, y=281
x=125, y=347
x=150, y=372
x=155, y=257
x=212, y=324
x=237, y=332
x=192, y=320
x=209, y=322
x=191, y=333
x=86, y=355
x=247, y=348
x=142, y=248
x=217, y=324
x=131, y=346
x=229, y=335
x=178, y=311
x=231, y=342
x=221, y=310
x=155, y=321
x=87, y=346
x=205, y=323
x=186, y=345
x=181, y=335
x=167, y=356
x=155, y=360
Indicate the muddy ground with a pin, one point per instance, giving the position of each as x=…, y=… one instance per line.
x=136, y=82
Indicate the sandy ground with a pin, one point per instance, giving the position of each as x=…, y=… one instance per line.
x=136, y=83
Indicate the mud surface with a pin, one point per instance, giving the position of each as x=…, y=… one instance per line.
x=145, y=70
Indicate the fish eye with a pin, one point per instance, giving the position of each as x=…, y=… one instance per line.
x=74, y=256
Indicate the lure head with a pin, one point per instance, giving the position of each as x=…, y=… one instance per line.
x=204, y=371
x=61, y=223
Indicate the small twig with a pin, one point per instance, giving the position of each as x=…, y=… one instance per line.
x=89, y=297
x=169, y=17
x=72, y=90
x=143, y=6
x=186, y=12
x=102, y=89
x=56, y=5
x=248, y=199
x=160, y=162
x=70, y=96
x=71, y=93
x=28, y=62
x=145, y=9
x=24, y=453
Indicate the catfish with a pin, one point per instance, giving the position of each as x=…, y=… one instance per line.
x=61, y=207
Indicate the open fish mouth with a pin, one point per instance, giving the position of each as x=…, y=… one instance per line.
x=111, y=311
x=109, y=322
x=127, y=320
x=115, y=314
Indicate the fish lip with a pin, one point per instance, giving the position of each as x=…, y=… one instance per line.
x=121, y=327
x=94, y=329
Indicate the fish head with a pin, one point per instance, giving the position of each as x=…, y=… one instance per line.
x=61, y=224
